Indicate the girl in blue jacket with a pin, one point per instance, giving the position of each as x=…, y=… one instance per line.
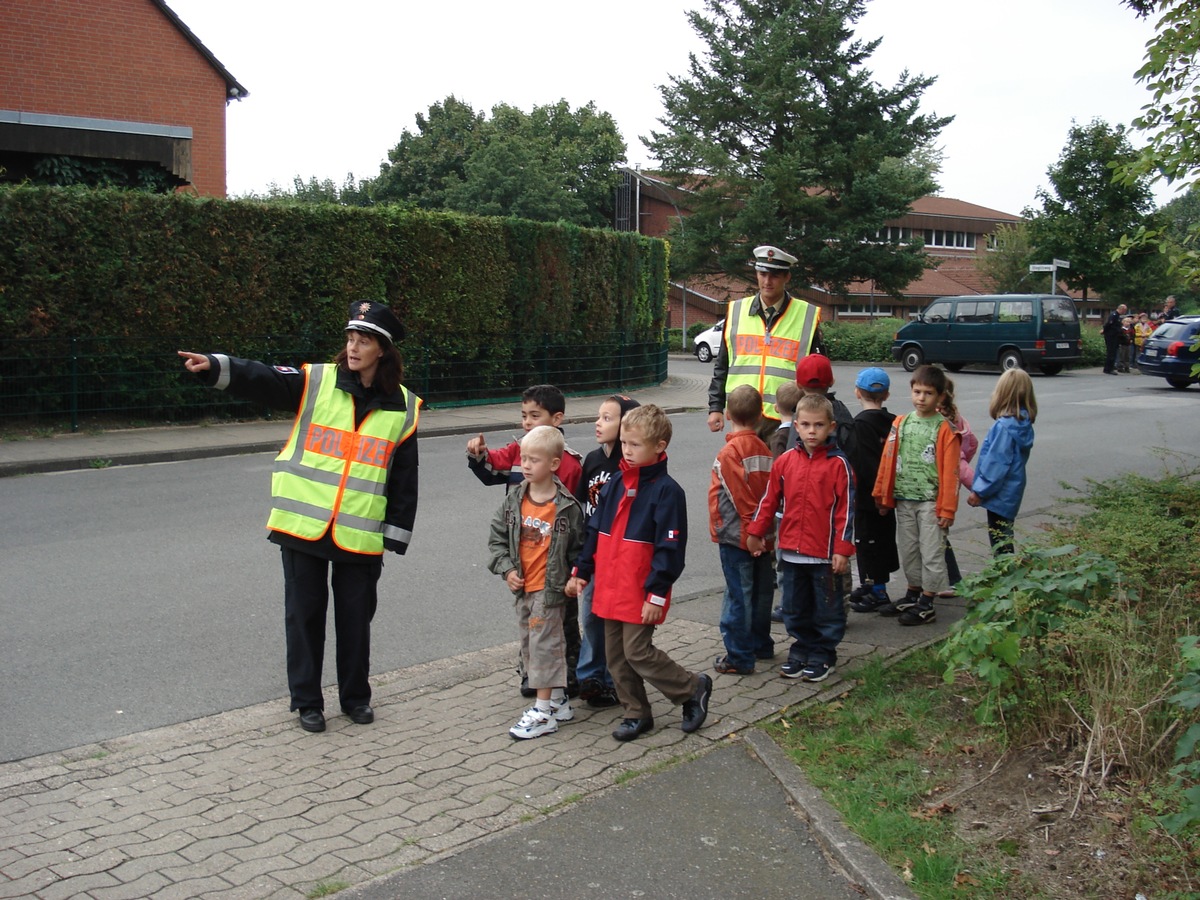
x=1000, y=479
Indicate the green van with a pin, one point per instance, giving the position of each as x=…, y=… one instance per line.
x=1009, y=330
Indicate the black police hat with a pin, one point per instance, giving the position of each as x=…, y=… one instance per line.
x=375, y=318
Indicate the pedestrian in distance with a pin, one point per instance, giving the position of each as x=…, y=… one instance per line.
x=918, y=478
x=344, y=490
x=814, y=483
x=634, y=550
x=1112, y=331
x=536, y=534
x=739, y=479
x=1000, y=479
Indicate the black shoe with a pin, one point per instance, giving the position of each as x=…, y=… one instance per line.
x=861, y=591
x=312, y=720
x=921, y=613
x=792, y=668
x=606, y=698
x=871, y=602
x=896, y=607
x=630, y=729
x=725, y=667
x=695, y=711
x=777, y=614
x=361, y=715
x=589, y=688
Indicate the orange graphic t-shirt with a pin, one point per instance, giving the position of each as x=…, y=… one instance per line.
x=537, y=522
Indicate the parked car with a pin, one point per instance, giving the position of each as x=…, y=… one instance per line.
x=1170, y=352
x=1008, y=330
x=708, y=342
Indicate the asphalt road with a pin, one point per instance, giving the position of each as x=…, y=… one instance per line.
x=141, y=596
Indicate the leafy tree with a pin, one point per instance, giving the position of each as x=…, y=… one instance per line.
x=1171, y=122
x=1085, y=213
x=784, y=138
x=1007, y=266
x=351, y=193
x=549, y=164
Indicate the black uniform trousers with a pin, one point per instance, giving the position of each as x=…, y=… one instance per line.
x=305, y=602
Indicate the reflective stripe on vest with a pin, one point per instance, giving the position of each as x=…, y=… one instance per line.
x=331, y=471
x=765, y=359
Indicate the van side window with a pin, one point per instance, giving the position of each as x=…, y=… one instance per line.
x=1016, y=310
x=974, y=311
x=938, y=312
x=1058, y=309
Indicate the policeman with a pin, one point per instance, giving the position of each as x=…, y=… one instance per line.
x=344, y=491
x=765, y=336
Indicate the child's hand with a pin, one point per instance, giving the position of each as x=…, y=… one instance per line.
x=883, y=510
x=973, y=499
x=514, y=581
x=575, y=586
x=477, y=446
x=652, y=614
x=840, y=564
x=194, y=362
x=755, y=545
x=944, y=522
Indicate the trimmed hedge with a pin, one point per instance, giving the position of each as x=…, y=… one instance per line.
x=83, y=263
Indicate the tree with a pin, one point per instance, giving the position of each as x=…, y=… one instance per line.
x=1085, y=212
x=351, y=193
x=549, y=164
x=1171, y=122
x=783, y=138
x=1006, y=267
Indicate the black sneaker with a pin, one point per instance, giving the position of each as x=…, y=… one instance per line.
x=777, y=614
x=863, y=590
x=816, y=671
x=896, y=607
x=921, y=613
x=871, y=601
x=792, y=668
x=604, y=699
x=589, y=688
x=695, y=710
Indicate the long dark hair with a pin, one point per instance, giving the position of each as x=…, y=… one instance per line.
x=932, y=376
x=389, y=371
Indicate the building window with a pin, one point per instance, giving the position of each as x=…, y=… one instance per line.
x=936, y=237
x=864, y=309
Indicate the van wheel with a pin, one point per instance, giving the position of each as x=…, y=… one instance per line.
x=1011, y=359
x=911, y=358
x=1178, y=382
x=703, y=353
x=955, y=367
x=1052, y=368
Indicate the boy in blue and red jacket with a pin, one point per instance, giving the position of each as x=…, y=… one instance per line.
x=635, y=546
x=815, y=482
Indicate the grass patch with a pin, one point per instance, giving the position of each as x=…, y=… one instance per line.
x=327, y=888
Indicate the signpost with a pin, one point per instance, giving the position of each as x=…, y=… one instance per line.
x=1052, y=268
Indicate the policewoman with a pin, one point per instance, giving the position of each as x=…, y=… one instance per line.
x=765, y=336
x=344, y=490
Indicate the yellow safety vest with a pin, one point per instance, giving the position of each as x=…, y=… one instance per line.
x=765, y=359
x=330, y=471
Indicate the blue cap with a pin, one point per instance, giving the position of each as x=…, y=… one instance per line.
x=873, y=379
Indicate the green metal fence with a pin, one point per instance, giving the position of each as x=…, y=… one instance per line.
x=103, y=381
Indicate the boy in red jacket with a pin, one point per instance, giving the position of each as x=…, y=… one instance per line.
x=634, y=548
x=815, y=483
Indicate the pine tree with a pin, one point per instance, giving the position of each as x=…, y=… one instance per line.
x=784, y=138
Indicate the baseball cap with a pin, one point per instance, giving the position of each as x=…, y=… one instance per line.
x=873, y=379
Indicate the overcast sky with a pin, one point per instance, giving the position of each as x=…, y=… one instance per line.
x=333, y=85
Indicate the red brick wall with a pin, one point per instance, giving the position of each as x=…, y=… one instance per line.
x=114, y=59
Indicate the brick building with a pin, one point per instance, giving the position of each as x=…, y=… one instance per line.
x=956, y=234
x=117, y=80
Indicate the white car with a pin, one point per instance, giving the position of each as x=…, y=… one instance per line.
x=708, y=342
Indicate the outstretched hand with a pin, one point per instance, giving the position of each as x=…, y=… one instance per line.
x=195, y=362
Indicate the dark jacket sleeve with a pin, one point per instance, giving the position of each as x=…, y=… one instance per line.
x=716, y=388
x=279, y=387
x=670, y=541
x=401, y=512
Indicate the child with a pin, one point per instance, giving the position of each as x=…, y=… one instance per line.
x=874, y=534
x=918, y=477
x=1125, y=346
x=541, y=404
x=634, y=549
x=595, y=684
x=535, y=534
x=784, y=438
x=739, y=478
x=1142, y=329
x=815, y=483
x=814, y=375
x=1000, y=476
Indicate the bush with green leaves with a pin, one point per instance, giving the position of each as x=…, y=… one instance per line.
x=860, y=341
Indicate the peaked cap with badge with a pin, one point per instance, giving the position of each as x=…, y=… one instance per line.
x=375, y=318
x=772, y=259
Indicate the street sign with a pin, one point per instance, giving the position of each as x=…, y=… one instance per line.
x=1062, y=264
x=1041, y=267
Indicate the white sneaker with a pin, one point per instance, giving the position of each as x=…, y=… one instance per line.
x=534, y=723
x=561, y=710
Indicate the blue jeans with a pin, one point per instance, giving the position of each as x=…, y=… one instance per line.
x=592, y=661
x=746, y=613
x=816, y=617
